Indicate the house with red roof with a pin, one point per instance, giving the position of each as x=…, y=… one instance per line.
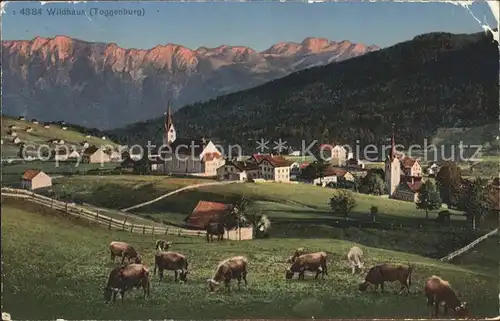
x=33, y=179
x=234, y=170
x=206, y=212
x=272, y=167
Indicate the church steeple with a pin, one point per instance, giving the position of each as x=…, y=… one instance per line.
x=393, y=144
x=170, y=134
x=168, y=119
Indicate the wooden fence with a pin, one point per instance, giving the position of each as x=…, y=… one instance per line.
x=469, y=246
x=111, y=223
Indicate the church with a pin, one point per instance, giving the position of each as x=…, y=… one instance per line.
x=198, y=157
x=403, y=175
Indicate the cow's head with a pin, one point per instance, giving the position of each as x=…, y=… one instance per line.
x=290, y=259
x=167, y=245
x=288, y=274
x=212, y=284
x=363, y=286
x=183, y=275
x=462, y=310
x=138, y=259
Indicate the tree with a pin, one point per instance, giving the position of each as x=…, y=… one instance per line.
x=476, y=201
x=342, y=202
x=315, y=170
x=428, y=198
x=374, y=184
x=449, y=180
x=241, y=215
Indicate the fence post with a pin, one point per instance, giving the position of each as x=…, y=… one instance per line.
x=66, y=206
x=124, y=221
x=153, y=229
x=179, y=234
x=144, y=229
x=131, y=227
x=109, y=226
x=97, y=217
x=166, y=231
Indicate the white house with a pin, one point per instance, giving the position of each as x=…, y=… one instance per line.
x=334, y=153
x=64, y=128
x=74, y=154
x=238, y=171
x=34, y=179
x=274, y=168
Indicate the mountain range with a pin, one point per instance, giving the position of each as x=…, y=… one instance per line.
x=103, y=85
x=434, y=80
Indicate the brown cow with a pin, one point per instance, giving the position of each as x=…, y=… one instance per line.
x=214, y=228
x=232, y=268
x=381, y=273
x=123, y=250
x=171, y=261
x=439, y=292
x=162, y=245
x=124, y=278
x=298, y=252
x=314, y=262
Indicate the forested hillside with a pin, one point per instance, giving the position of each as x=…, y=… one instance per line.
x=434, y=80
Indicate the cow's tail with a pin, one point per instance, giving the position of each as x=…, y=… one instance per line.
x=146, y=282
x=410, y=270
x=325, y=267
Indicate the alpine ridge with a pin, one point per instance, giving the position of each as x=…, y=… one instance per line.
x=103, y=85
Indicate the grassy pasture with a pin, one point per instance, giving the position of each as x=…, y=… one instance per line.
x=41, y=135
x=296, y=211
x=64, y=277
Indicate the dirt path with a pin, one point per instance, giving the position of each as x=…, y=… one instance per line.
x=185, y=188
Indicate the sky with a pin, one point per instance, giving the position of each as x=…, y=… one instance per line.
x=254, y=24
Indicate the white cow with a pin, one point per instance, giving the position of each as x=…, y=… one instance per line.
x=354, y=256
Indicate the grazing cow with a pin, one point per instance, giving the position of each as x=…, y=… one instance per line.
x=124, y=250
x=162, y=245
x=298, y=252
x=124, y=278
x=171, y=261
x=232, y=268
x=439, y=292
x=214, y=228
x=381, y=273
x=354, y=256
x=314, y=262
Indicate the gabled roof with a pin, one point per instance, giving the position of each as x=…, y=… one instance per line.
x=275, y=161
x=243, y=165
x=413, y=187
x=408, y=162
x=335, y=171
x=205, y=212
x=90, y=150
x=211, y=156
x=30, y=174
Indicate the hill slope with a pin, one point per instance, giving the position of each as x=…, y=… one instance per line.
x=105, y=86
x=64, y=277
x=40, y=135
x=435, y=80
